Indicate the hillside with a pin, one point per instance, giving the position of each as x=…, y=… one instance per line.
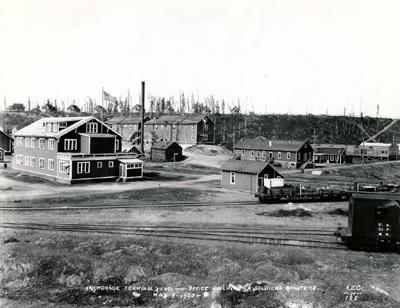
x=325, y=129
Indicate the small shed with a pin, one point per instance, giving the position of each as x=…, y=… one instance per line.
x=131, y=168
x=166, y=151
x=247, y=175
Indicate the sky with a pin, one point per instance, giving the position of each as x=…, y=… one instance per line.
x=274, y=56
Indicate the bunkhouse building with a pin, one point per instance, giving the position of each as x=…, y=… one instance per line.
x=6, y=145
x=286, y=153
x=247, y=175
x=183, y=129
x=128, y=127
x=71, y=150
x=166, y=151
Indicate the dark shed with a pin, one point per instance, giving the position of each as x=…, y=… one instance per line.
x=166, y=151
x=245, y=174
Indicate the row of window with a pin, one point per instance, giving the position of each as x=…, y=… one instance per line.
x=174, y=127
x=84, y=166
x=50, y=127
x=264, y=154
x=31, y=161
x=31, y=142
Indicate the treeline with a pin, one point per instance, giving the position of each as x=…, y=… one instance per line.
x=231, y=128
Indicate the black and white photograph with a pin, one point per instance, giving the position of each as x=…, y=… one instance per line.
x=199, y=153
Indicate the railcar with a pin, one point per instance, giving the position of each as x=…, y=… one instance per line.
x=373, y=221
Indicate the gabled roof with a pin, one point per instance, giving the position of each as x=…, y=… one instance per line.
x=267, y=145
x=127, y=120
x=163, y=145
x=246, y=166
x=179, y=119
x=330, y=149
x=4, y=133
x=36, y=128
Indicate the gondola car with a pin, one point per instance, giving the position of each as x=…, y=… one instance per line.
x=374, y=221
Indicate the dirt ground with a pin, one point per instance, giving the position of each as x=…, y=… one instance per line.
x=63, y=269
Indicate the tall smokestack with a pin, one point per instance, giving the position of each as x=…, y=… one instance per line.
x=142, y=121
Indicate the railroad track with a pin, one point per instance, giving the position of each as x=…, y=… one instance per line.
x=307, y=238
x=123, y=206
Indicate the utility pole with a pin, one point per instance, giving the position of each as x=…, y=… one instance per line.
x=142, y=121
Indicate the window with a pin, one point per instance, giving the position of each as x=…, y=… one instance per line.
x=192, y=137
x=288, y=155
x=252, y=153
x=91, y=127
x=205, y=127
x=232, y=177
x=50, y=144
x=33, y=143
x=27, y=142
x=279, y=154
x=50, y=164
x=48, y=127
x=243, y=152
x=41, y=163
x=83, y=167
x=156, y=126
x=264, y=154
x=298, y=156
x=271, y=155
x=41, y=143
x=62, y=125
x=116, y=145
x=110, y=164
x=192, y=127
x=237, y=152
x=70, y=144
x=99, y=164
x=27, y=161
x=64, y=167
x=174, y=126
x=54, y=127
x=19, y=160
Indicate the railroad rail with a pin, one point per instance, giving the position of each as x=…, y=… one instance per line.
x=305, y=238
x=123, y=206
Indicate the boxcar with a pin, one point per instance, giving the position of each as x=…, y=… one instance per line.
x=373, y=222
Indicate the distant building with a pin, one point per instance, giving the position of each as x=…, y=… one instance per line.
x=6, y=145
x=71, y=150
x=128, y=127
x=376, y=150
x=166, y=151
x=287, y=153
x=184, y=129
x=246, y=175
x=330, y=153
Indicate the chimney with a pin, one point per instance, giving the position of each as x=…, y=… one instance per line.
x=270, y=143
x=142, y=122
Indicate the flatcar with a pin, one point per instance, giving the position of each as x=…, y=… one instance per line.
x=373, y=222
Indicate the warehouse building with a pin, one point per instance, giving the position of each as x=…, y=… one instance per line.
x=247, y=175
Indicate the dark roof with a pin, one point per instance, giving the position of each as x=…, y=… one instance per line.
x=179, y=119
x=246, y=166
x=266, y=145
x=4, y=133
x=163, y=145
x=330, y=149
x=127, y=120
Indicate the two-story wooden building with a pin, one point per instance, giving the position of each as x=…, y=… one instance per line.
x=129, y=126
x=184, y=129
x=6, y=145
x=72, y=150
x=287, y=153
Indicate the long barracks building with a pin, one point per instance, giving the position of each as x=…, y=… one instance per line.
x=72, y=150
